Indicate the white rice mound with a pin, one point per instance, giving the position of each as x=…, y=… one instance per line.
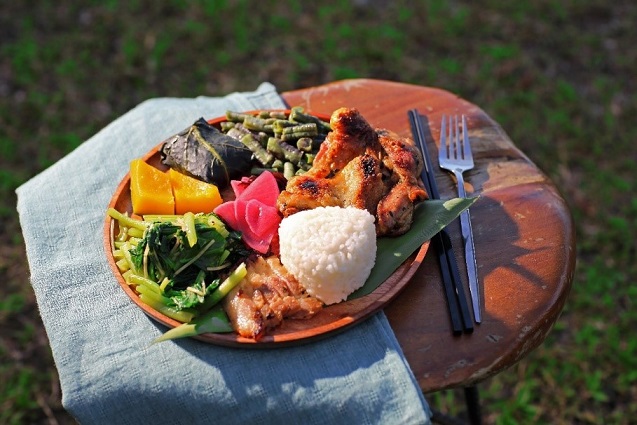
x=329, y=250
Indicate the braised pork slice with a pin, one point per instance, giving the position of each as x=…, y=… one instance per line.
x=357, y=165
x=267, y=295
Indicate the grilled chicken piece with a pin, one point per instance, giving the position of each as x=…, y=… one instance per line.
x=359, y=166
x=395, y=211
x=351, y=136
x=267, y=295
x=359, y=184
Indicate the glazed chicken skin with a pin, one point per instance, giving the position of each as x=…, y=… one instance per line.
x=363, y=167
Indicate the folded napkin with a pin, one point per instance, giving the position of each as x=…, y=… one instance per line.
x=109, y=372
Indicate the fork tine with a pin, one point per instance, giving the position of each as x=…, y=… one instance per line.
x=467, y=154
x=443, y=138
x=453, y=138
x=454, y=125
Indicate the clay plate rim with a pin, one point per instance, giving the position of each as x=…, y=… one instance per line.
x=330, y=321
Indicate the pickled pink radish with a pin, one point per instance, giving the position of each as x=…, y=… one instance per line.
x=253, y=212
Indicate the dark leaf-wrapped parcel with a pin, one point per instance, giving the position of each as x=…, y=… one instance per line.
x=207, y=154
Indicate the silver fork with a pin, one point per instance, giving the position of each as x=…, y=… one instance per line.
x=456, y=156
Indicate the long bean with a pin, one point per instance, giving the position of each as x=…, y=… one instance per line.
x=260, y=153
x=276, y=137
x=297, y=115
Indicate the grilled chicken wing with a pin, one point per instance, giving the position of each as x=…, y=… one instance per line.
x=372, y=169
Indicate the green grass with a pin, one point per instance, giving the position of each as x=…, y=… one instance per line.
x=559, y=76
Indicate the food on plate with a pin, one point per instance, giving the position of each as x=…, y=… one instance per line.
x=362, y=167
x=330, y=250
x=253, y=212
x=179, y=265
x=204, y=152
x=268, y=295
x=151, y=191
x=281, y=142
x=259, y=255
x=193, y=195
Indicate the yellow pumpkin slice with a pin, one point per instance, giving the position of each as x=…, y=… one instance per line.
x=193, y=195
x=151, y=191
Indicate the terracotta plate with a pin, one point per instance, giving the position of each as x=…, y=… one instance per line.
x=330, y=320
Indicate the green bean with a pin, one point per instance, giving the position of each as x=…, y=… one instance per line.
x=260, y=153
x=304, y=144
x=275, y=148
x=235, y=116
x=300, y=130
x=277, y=165
x=279, y=125
x=288, y=170
x=284, y=151
x=292, y=137
x=236, y=133
x=262, y=137
x=254, y=123
x=298, y=115
x=295, y=137
x=278, y=115
x=291, y=153
x=227, y=125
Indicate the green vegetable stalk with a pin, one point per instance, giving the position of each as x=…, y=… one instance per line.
x=214, y=319
x=182, y=266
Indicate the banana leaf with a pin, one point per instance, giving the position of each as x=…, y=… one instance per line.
x=430, y=217
x=204, y=152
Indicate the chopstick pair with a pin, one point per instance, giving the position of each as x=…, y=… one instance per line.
x=456, y=300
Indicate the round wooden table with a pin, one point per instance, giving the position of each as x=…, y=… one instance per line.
x=523, y=232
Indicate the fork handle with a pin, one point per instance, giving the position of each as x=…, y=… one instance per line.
x=469, y=252
x=472, y=267
x=460, y=181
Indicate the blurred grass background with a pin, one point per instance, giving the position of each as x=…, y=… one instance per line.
x=558, y=75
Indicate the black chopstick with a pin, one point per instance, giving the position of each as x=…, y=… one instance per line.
x=454, y=291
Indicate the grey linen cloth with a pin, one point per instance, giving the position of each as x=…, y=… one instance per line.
x=111, y=374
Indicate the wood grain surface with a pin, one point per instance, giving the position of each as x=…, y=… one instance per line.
x=523, y=231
